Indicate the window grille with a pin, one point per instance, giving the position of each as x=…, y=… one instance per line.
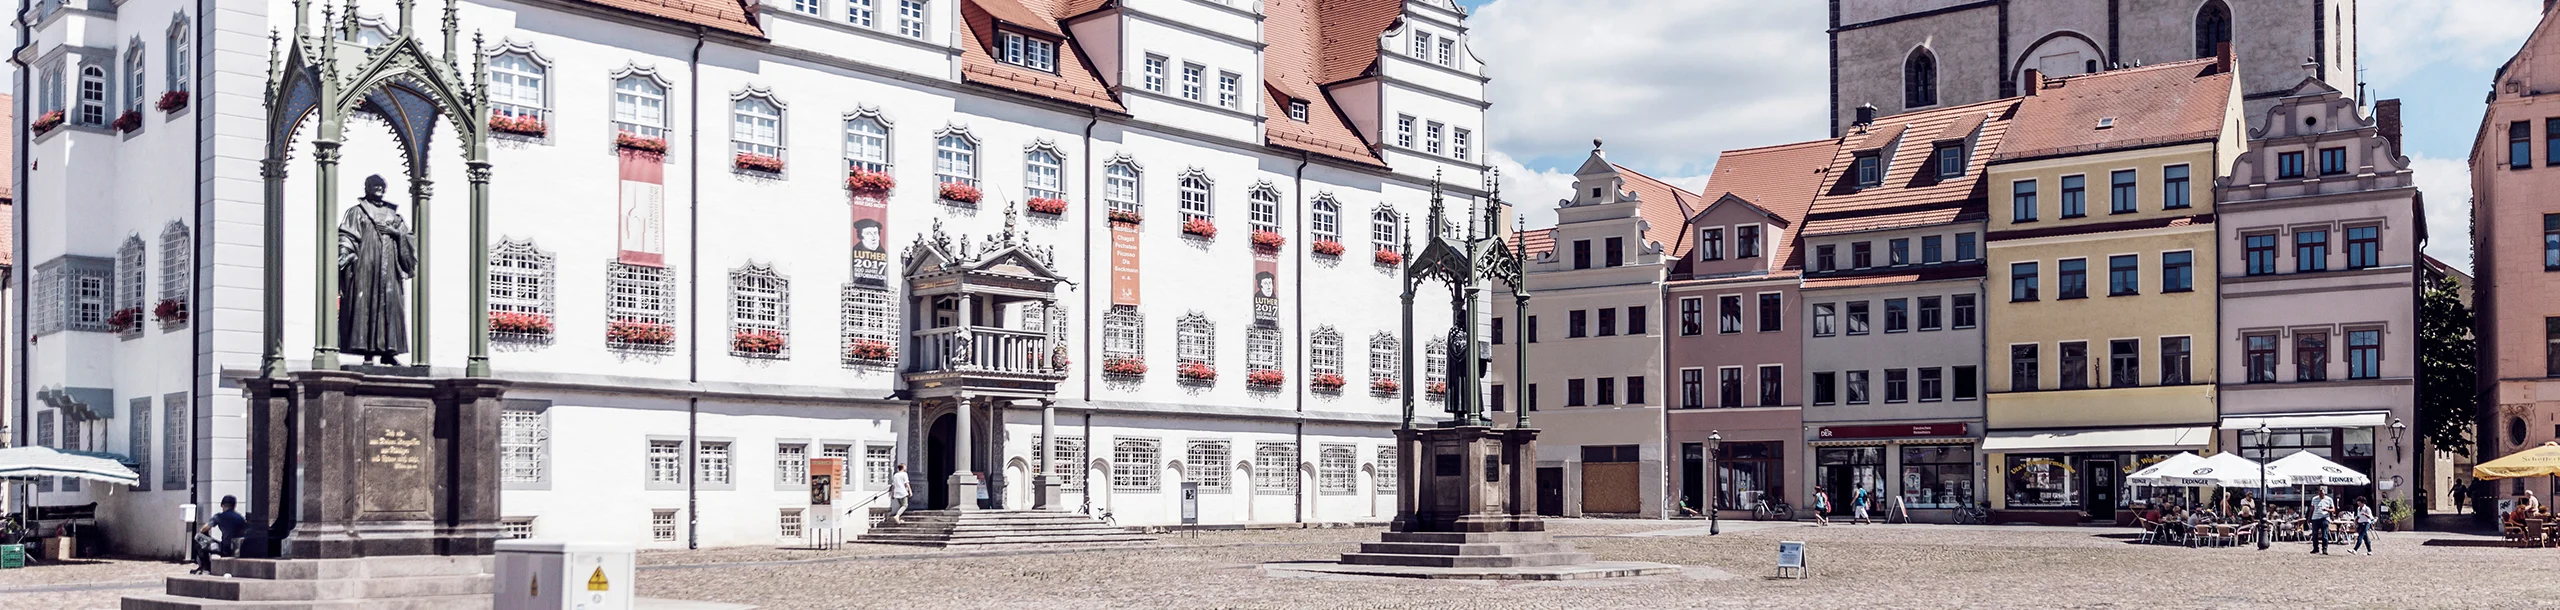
x=641, y=297
x=93, y=96
x=520, y=283
x=177, y=266
x=1196, y=201
x=1298, y=110
x=516, y=528
x=1386, y=471
x=1195, y=339
x=1071, y=464
x=640, y=106
x=1133, y=464
x=1275, y=467
x=789, y=522
x=666, y=461
x=1208, y=465
x=1262, y=349
x=1124, y=332
x=911, y=18
x=524, y=445
x=713, y=465
x=1382, y=228
x=131, y=264
x=859, y=12
x=791, y=464
x=1431, y=136
x=876, y=465
x=662, y=525
x=1435, y=368
x=756, y=126
x=180, y=44
x=133, y=77
x=866, y=144
x=1326, y=222
x=1386, y=356
x=868, y=317
x=1421, y=45
x=176, y=441
x=1120, y=186
x=1337, y=469
x=89, y=294
x=1264, y=212
x=1324, y=351
x=516, y=85
x=759, y=304
x=1042, y=175
x=955, y=159
x=138, y=437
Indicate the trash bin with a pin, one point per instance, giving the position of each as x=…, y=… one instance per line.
x=554, y=575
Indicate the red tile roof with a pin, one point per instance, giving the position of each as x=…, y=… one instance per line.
x=1349, y=30
x=1910, y=193
x=1780, y=180
x=2153, y=105
x=1664, y=208
x=1075, y=81
x=1878, y=222
x=1301, y=36
x=727, y=15
x=1536, y=241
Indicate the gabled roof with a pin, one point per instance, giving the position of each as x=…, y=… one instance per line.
x=2171, y=103
x=1075, y=81
x=1537, y=241
x=1910, y=192
x=1299, y=35
x=1349, y=30
x=1779, y=180
x=733, y=16
x=1664, y=208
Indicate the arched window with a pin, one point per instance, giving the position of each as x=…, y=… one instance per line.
x=866, y=144
x=177, y=263
x=955, y=159
x=1041, y=174
x=132, y=263
x=756, y=126
x=640, y=106
x=1324, y=352
x=516, y=82
x=1264, y=212
x=180, y=62
x=1120, y=186
x=1195, y=339
x=1326, y=222
x=1382, y=228
x=2213, y=28
x=1196, y=202
x=759, y=312
x=133, y=77
x=1920, y=79
x=1386, y=359
x=93, y=96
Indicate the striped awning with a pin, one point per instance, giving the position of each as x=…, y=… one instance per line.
x=33, y=462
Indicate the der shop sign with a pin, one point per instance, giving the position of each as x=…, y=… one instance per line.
x=1894, y=431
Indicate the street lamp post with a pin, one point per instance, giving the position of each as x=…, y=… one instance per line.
x=1715, y=483
x=2262, y=485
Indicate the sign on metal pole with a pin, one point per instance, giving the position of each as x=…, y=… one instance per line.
x=1791, y=559
x=1190, y=503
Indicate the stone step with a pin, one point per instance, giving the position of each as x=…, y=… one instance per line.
x=368, y=567
x=172, y=602
x=1500, y=548
x=253, y=589
x=1465, y=537
x=1467, y=561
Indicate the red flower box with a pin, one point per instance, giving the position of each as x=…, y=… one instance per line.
x=519, y=323
x=1438, y=388
x=1124, y=367
x=1124, y=216
x=173, y=101
x=125, y=320
x=522, y=124
x=1268, y=241
x=129, y=121
x=960, y=193
x=1196, y=371
x=1388, y=256
x=1327, y=247
x=640, y=333
x=641, y=143
x=1265, y=378
x=1325, y=381
x=763, y=163
x=45, y=123
x=870, y=351
x=1384, y=386
x=170, y=312
x=757, y=342
x=1046, y=205
x=869, y=182
x=1200, y=226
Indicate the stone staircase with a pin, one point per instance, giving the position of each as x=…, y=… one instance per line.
x=1467, y=550
x=389, y=583
x=985, y=528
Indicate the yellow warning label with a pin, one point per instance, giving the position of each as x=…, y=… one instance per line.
x=597, y=582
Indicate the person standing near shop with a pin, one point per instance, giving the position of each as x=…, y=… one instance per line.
x=1858, y=505
x=2320, y=508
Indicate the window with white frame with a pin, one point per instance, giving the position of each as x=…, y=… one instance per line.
x=89, y=295
x=1275, y=467
x=1435, y=368
x=1386, y=358
x=1230, y=90
x=1029, y=52
x=1386, y=470
x=93, y=96
x=1133, y=464
x=1337, y=469
x=759, y=306
x=788, y=523
x=1042, y=174
x=756, y=126
x=1153, y=78
x=866, y=144
x=1421, y=45
x=1462, y=143
x=1124, y=332
x=1298, y=110
x=132, y=263
x=666, y=461
x=1195, y=339
x=869, y=316
x=844, y=452
x=1404, y=131
x=1326, y=219
x=1324, y=351
x=1262, y=349
x=133, y=77
x=1207, y=463
x=791, y=464
x=911, y=18
x=520, y=284
x=955, y=158
x=524, y=446
x=180, y=63
x=1194, y=80
x=811, y=7
x=662, y=525
x=877, y=463
x=712, y=462
x=860, y=13
x=1448, y=52
x=1120, y=186
x=1263, y=208
x=640, y=106
x=1431, y=137
x=516, y=85
x=643, y=298
x=1383, y=227
x=1196, y=201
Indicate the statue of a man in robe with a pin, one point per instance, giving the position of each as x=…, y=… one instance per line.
x=376, y=257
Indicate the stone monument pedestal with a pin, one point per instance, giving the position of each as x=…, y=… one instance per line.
x=1467, y=509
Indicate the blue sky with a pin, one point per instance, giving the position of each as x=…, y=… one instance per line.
x=1669, y=83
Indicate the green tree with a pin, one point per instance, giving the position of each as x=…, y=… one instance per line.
x=2448, y=367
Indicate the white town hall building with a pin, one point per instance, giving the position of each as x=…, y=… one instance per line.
x=699, y=278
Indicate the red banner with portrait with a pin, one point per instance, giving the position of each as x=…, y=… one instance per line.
x=1266, y=288
x=642, y=213
x=871, y=239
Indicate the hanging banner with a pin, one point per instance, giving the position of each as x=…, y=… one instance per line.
x=871, y=239
x=1266, y=289
x=1124, y=264
x=643, y=210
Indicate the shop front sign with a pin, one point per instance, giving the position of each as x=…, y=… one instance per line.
x=1895, y=431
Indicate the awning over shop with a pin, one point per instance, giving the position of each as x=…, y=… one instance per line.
x=2105, y=439
x=34, y=462
x=2341, y=419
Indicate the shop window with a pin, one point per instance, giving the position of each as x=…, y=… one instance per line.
x=2042, y=481
x=1841, y=471
x=1749, y=473
x=1939, y=476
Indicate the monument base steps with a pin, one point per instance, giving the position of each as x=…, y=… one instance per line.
x=978, y=528
x=393, y=583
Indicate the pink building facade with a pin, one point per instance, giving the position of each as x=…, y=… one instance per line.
x=2515, y=224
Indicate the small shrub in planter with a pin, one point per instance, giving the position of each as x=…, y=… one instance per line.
x=1046, y=205
x=125, y=320
x=1268, y=241
x=757, y=342
x=173, y=101
x=763, y=163
x=129, y=121
x=1196, y=371
x=1265, y=378
x=640, y=143
x=170, y=312
x=870, y=182
x=519, y=323
x=1384, y=386
x=1327, y=247
x=864, y=350
x=1200, y=227
x=640, y=333
x=45, y=123
x=960, y=193
x=1124, y=217
x=1388, y=256
x=522, y=124
x=1124, y=367
x=1325, y=381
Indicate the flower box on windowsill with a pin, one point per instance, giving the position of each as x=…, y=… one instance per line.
x=640, y=143
x=960, y=194
x=523, y=125
x=173, y=101
x=1046, y=205
x=1385, y=387
x=1265, y=378
x=648, y=335
x=1326, y=247
x=1125, y=217
x=46, y=123
x=1438, y=388
x=864, y=351
x=519, y=325
x=759, y=163
x=125, y=321
x=757, y=343
x=1200, y=227
x=867, y=182
x=1124, y=367
x=1389, y=257
x=170, y=313
x=1196, y=372
x=1268, y=241
x=129, y=121
x=1325, y=382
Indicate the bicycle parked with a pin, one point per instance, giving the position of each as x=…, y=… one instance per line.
x=1771, y=511
x=1972, y=514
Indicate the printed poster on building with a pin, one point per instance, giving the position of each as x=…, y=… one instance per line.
x=1266, y=289
x=643, y=211
x=871, y=239
x=1124, y=264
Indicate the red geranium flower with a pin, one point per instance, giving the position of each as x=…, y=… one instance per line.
x=1046, y=205
x=1265, y=378
x=170, y=311
x=1327, y=247
x=1388, y=256
x=763, y=163
x=1200, y=226
x=172, y=101
x=647, y=144
x=961, y=193
x=46, y=122
x=522, y=124
x=757, y=342
x=1325, y=381
x=1384, y=386
x=129, y=121
x=869, y=182
x=1124, y=367
x=640, y=333
x=870, y=351
x=1124, y=216
x=1196, y=371
x=519, y=323
x=1268, y=241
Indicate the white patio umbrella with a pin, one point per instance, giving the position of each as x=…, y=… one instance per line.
x=2156, y=473
x=2225, y=470
x=32, y=462
x=2303, y=468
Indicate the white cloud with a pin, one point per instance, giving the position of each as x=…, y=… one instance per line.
x=2404, y=38
x=1535, y=192
x=2447, y=185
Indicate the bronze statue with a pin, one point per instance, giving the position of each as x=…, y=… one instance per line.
x=376, y=257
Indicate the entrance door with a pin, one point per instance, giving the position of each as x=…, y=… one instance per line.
x=937, y=462
x=2102, y=488
x=1693, y=479
x=1551, y=491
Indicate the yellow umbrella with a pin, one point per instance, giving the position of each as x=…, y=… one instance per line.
x=2535, y=462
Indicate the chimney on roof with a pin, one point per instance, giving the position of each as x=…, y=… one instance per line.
x=1866, y=116
x=2386, y=119
x=2035, y=82
x=2222, y=57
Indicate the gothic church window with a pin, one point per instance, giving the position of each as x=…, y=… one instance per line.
x=2213, y=28
x=1920, y=79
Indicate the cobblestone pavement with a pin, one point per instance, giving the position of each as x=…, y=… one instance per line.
x=1876, y=566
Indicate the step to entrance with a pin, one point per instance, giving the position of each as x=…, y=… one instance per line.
x=976, y=528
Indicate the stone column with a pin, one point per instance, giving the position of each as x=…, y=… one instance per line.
x=324, y=257
x=272, y=364
x=421, y=189
x=963, y=483
x=1044, y=486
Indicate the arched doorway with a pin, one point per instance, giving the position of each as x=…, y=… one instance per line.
x=937, y=462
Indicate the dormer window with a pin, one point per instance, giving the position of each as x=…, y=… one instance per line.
x=1950, y=160
x=1746, y=241
x=1030, y=52
x=1298, y=110
x=1870, y=168
x=1710, y=244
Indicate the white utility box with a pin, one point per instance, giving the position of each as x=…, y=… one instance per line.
x=554, y=575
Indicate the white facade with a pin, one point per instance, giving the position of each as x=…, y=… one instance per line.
x=591, y=408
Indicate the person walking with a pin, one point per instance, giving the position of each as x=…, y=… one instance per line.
x=898, y=493
x=2320, y=509
x=1821, y=508
x=2364, y=528
x=1858, y=506
x=219, y=535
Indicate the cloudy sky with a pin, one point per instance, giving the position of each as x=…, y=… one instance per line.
x=1669, y=83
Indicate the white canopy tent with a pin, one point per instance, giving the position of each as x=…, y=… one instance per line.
x=2225, y=470
x=33, y=462
x=2156, y=473
x=2303, y=468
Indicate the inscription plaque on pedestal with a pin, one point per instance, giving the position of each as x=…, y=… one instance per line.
x=394, y=467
